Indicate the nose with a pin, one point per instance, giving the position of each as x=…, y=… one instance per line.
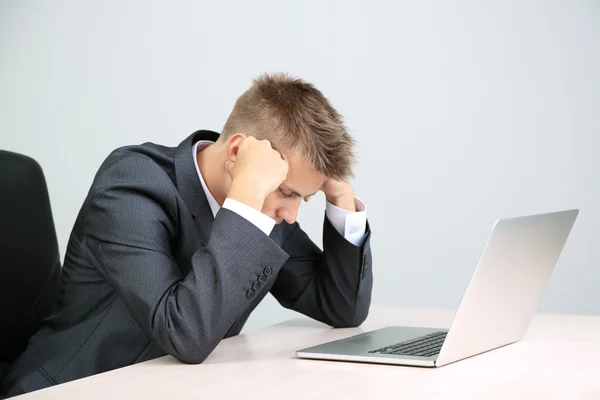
x=289, y=212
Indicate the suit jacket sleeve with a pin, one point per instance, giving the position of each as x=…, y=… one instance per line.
x=332, y=286
x=131, y=223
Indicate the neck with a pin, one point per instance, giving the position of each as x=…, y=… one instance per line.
x=211, y=162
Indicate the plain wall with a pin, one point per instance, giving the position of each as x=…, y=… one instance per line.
x=464, y=113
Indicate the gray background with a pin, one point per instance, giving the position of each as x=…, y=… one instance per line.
x=465, y=112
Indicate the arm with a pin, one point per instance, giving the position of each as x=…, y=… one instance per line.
x=332, y=286
x=131, y=222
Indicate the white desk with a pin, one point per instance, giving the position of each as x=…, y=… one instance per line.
x=557, y=360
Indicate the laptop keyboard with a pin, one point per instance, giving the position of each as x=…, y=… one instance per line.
x=424, y=346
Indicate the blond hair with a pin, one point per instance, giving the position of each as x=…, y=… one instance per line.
x=294, y=115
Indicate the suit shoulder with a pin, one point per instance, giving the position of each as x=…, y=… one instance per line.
x=126, y=167
x=162, y=156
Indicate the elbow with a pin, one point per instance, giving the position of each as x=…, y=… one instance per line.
x=360, y=317
x=345, y=325
x=353, y=319
x=182, y=340
x=189, y=349
x=190, y=356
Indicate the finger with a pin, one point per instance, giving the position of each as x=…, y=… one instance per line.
x=271, y=144
x=276, y=149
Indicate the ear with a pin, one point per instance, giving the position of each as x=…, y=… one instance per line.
x=233, y=145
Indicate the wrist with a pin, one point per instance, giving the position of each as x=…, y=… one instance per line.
x=247, y=194
x=344, y=201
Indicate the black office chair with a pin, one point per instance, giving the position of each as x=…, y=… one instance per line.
x=29, y=260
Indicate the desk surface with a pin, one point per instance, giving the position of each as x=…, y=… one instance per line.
x=556, y=360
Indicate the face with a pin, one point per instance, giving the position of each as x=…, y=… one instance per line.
x=303, y=180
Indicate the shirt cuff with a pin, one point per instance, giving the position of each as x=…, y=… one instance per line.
x=351, y=225
x=255, y=217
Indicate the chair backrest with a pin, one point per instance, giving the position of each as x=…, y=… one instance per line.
x=30, y=267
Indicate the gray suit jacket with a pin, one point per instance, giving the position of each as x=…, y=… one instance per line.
x=150, y=272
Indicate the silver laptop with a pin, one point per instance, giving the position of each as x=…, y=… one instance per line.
x=497, y=307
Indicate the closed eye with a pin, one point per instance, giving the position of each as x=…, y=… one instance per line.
x=286, y=194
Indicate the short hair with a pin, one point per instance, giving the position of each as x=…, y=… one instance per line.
x=294, y=115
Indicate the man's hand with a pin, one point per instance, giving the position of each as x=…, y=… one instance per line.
x=257, y=171
x=339, y=193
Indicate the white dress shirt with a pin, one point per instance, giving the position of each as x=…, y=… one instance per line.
x=351, y=225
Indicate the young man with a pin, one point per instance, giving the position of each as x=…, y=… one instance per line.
x=174, y=247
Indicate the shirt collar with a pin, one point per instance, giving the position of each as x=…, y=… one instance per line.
x=199, y=146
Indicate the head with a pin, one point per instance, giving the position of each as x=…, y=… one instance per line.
x=303, y=126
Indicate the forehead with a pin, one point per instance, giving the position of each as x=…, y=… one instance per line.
x=302, y=176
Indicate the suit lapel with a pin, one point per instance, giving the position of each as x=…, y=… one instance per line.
x=189, y=186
